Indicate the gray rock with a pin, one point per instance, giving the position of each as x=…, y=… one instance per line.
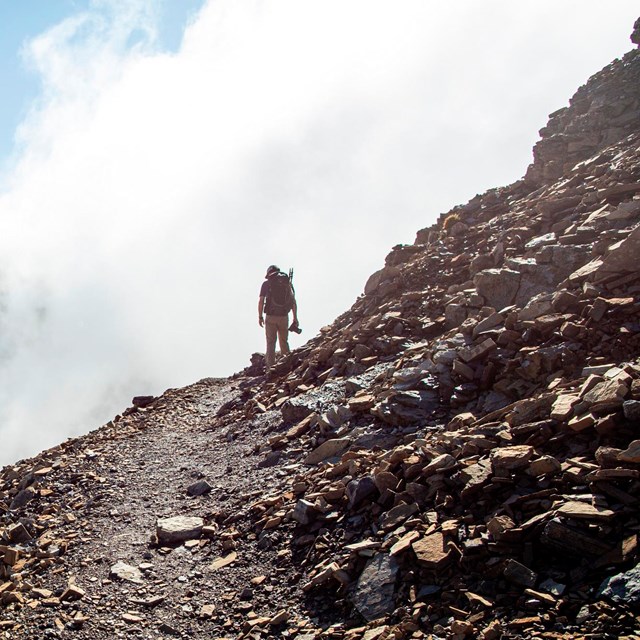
x=296, y=409
x=359, y=490
x=304, y=512
x=328, y=449
x=494, y=320
x=124, y=571
x=519, y=574
x=552, y=586
x=336, y=416
x=409, y=377
x=497, y=286
x=455, y=314
x=481, y=262
x=398, y=514
x=407, y=407
x=622, y=256
x=538, y=306
x=22, y=498
x=199, y=488
x=631, y=410
x=540, y=241
x=374, y=594
x=178, y=529
x=623, y=588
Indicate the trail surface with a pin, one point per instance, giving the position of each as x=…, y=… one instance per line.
x=114, y=485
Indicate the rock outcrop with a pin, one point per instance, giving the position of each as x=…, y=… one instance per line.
x=458, y=455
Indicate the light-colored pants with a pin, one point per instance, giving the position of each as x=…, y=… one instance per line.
x=276, y=327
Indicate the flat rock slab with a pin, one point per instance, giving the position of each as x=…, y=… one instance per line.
x=432, y=552
x=224, y=561
x=474, y=477
x=328, y=449
x=374, y=593
x=513, y=457
x=581, y=510
x=563, y=406
x=178, y=529
x=125, y=571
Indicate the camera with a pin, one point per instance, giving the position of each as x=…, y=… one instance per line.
x=295, y=328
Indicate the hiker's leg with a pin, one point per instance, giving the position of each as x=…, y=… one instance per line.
x=283, y=334
x=271, y=331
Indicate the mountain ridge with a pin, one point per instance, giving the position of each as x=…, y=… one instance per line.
x=454, y=456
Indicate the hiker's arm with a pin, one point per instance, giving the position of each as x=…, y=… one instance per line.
x=294, y=309
x=260, y=311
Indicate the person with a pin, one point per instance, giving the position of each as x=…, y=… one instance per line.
x=276, y=299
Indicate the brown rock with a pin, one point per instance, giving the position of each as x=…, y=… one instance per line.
x=72, y=592
x=404, y=543
x=432, y=551
x=582, y=510
x=580, y=423
x=498, y=525
x=478, y=352
x=510, y=458
x=385, y=480
x=572, y=540
x=224, y=561
x=632, y=453
x=462, y=628
x=608, y=392
x=361, y=403
x=544, y=465
x=563, y=406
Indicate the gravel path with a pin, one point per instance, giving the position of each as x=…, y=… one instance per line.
x=108, y=489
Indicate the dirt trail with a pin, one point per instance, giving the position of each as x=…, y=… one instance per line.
x=117, y=482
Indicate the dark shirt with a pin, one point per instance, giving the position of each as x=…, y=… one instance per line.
x=264, y=293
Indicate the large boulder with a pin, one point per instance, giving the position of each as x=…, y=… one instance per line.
x=376, y=279
x=622, y=257
x=178, y=529
x=497, y=286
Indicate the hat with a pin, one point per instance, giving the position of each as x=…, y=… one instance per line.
x=272, y=269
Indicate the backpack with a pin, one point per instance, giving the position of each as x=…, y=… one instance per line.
x=280, y=297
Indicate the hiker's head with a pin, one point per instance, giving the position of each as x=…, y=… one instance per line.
x=271, y=270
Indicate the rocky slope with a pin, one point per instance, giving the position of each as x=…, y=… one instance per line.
x=456, y=456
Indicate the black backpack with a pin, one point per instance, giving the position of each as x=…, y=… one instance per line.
x=280, y=296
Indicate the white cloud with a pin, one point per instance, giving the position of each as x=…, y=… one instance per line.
x=152, y=189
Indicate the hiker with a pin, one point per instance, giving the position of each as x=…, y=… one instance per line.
x=277, y=298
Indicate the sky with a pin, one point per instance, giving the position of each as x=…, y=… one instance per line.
x=156, y=156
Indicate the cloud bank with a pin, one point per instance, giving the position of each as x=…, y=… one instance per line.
x=150, y=189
